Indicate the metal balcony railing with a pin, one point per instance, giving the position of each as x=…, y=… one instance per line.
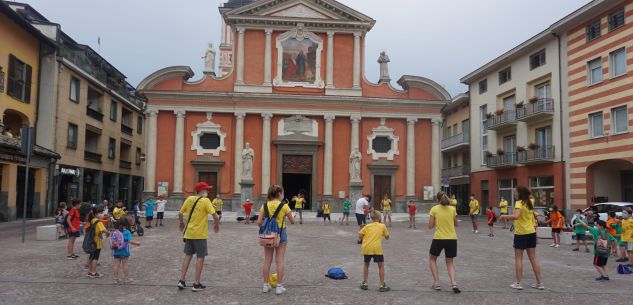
x=95, y=114
x=507, y=159
x=125, y=164
x=126, y=129
x=92, y=157
x=456, y=140
x=456, y=171
x=508, y=117
x=541, y=106
x=544, y=153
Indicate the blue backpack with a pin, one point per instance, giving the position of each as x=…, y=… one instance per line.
x=336, y=274
x=270, y=233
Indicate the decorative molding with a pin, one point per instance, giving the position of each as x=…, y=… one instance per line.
x=355, y=118
x=300, y=11
x=161, y=75
x=252, y=89
x=180, y=113
x=412, y=121
x=343, y=92
x=383, y=131
x=240, y=115
x=300, y=34
x=151, y=112
x=203, y=128
x=267, y=116
x=298, y=124
x=329, y=117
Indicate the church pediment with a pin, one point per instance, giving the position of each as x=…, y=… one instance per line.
x=299, y=11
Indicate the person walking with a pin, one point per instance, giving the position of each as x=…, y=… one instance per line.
x=474, y=212
x=386, y=209
x=196, y=232
x=443, y=218
x=557, y=221
x=524, y=237
x=362, y=204
x=275, y=195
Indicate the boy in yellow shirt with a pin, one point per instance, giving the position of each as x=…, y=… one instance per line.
x=473, y=204
x=627, y=233
x=326, y=212
x=99, y=230
x=371, y=238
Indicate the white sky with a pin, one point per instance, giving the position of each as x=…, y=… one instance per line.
x=440, y=39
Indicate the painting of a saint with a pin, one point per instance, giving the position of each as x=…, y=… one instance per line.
x=299, y=60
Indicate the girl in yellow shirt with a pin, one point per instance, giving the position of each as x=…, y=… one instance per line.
x=386, y=209
x=443, y=218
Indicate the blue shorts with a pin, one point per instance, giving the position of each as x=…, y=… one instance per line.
x=580, y=237
x=283, y=238
x=345, y=213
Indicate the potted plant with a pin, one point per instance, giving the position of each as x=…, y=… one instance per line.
x=520, y=149
x=489, y=115
x=487, y=154
x=533, y=146
x=519, y=104
x=499, y=111
x=500, y=152
x=533, y=100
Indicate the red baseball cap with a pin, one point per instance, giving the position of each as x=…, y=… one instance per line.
x=202, y=186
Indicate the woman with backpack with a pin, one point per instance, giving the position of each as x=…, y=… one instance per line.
x=524, y=237
x=275, y=211
x=120, y=241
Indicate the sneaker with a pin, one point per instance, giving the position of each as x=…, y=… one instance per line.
x=538, y=286
x=605, y=278
x=576, y=249
x=364, y=286
x=182, y=285
x=280, y=289
x=384, y=287
x=557, y=246
x=516, y=286
x=552, y=245
x=600, y=278
x=95, y=275
x=198, y=287
x=621, y=260
x=74, y=255
x=266, y=288
x=69, y=257
x=476, y=231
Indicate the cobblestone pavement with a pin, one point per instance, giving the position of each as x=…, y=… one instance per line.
x=38, y=273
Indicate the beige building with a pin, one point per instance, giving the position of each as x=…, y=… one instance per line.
x=455, y=148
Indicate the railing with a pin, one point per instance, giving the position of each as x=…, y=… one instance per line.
x=92, y=157
x=544, y=153
x=544, y=105
x=456, y=171
x=95, y=114
x=126, y=129
x=508, y=116
x=125, y=164
x=507, y=159
x=455, y=140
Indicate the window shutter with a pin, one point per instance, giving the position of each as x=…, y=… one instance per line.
x=27, y=83
x=11, y=86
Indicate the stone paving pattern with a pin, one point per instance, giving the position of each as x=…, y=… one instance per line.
x=37, y=272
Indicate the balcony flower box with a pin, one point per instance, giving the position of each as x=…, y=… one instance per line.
x=500, y=152
x=533, y=146
x=520, y=149
x=499, y=112
x=489, y=115
x=533, y=100
x=519, y=104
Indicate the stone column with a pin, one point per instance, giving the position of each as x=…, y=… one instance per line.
x=239, y=145
x=240, y=56
x=179, y=148
x=329, y=80
x=150, y=152
x=435, y=154
x=267, y=58
x=355, y=132
x=411, y=157
x=327, y=160
x=266, y=152
x=357, y=60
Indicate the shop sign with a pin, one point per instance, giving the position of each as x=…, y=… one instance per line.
x=163, y=188
x=70, y=171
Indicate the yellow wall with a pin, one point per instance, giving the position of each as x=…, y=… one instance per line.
x=15, y=40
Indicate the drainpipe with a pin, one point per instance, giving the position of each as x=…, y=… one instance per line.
x=560, y=105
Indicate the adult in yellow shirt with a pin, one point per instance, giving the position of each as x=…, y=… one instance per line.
x=119, y=211
x=386, y=209
x=524, y=237
x=299, y=200
x=196, y=231
x=218, y=205
x=275, y=197
x=443, y=217
x=371, y=237
x=503, y=210
x=473, y=204
x=99, y=231
x=627, y=233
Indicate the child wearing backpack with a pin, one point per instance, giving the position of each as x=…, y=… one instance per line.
x=93, y=241
x=370, y=237
x=120, y=241
x=601, y=248
x=492, y=218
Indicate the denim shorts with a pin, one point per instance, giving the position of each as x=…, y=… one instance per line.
x=283, y=236
x=387, y=213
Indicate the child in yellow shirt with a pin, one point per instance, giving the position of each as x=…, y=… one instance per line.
x=326, y=212
x=371, y=238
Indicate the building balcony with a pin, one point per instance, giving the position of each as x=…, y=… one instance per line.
x=533, y=111
x=457, y=171
x=125, y=164
x=92, y=157
x=506, y=160
x=126, y=129
x=95, y=114
x=456, y=142
x=504, y=120
x=539, y=155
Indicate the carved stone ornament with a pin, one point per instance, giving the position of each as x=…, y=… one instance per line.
x=383, y=131
x=298, y=124
x=208, y=127
x=299, y=59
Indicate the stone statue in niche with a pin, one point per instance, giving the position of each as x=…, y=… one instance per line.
x=384, y=60
x=248, y=155
x=209, y=60
x=354, y=164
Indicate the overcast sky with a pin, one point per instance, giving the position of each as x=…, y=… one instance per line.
x=440, y=39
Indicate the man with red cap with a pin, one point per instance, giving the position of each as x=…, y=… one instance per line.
x=196, y=231
x=160, y=210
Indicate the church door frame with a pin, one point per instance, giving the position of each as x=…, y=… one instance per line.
x=299, y=148
x=383, y=168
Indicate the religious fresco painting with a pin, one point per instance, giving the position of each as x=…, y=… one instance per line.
x=299, y=60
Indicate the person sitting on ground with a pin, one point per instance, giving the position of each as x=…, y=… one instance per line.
x=371, y=237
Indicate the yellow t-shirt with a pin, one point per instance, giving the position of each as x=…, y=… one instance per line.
x=627, y=230
x=444, y=221
x=117, y=213
x=386, y=205
x=503, y=206
x=525, y=224
x=99, y=229
x=326, y=208
x=298, y=202
x=454, y=202
x=198, y=227
x=474, y=207
x=272, y=207
x=372, y=238
x=217, y=204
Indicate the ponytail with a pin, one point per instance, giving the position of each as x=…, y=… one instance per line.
x=524, y=196
x=442, y=198
x=274, y=191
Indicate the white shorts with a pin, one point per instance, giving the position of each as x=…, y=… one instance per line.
x=387, y=213
x=629, y=246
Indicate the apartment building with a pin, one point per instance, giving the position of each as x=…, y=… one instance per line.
x=455, y=149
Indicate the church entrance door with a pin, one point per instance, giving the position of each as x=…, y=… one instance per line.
x=382, y=187
x=297, y=177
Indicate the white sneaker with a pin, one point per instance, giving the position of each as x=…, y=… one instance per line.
x=552, y=245
x=538, y=286
x=476, y=231
x=557, y=245
x=280, y=289
x=266, y=288
x=516, y=286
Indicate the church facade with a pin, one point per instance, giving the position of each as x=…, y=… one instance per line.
x=290, y=105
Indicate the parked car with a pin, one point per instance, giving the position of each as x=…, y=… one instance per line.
x=604, y=208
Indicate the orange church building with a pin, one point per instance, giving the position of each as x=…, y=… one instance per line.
x=290, y=105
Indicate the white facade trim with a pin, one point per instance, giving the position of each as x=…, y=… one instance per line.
x=300, y=34
x=207, y=127
x=383, y=131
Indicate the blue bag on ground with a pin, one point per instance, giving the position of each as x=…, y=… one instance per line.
x=624, y=269
x=336, y=274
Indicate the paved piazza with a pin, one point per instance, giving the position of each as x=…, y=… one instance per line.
x=38, y=273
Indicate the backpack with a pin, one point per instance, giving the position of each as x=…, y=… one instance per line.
x=602, y=245
x=90, y=245
x=336, y=274
x=270, y=233
x=624, y=269
x=66, y=218
x=117, y=241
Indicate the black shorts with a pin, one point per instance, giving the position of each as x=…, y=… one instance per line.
x=448, y=245
x=94, y=256
x=197, y=247
x=600, y=261
x=149, y=218
x=73, y=234
x=160, y=215
x=326, y=216
x=556, y=230
x=527, y=241
x=218, y=212
x=377, y=258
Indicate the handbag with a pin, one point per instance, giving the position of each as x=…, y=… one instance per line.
x=270, y=232
x=184, y=240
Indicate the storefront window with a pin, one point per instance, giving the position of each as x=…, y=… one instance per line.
x=506, y=190
x=543, y=190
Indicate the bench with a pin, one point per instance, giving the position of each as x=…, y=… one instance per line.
x=47, y=232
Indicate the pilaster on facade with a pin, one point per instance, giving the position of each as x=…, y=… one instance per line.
x=239, y=146
x=355, y=143
x=327, y=168
x=150, y=156
x=410, y=191
x=179, y=148
x=268, y=58
x=435, y=154
x=240, y=56
x=357, y=60
x=329, y=79
x=266, y=131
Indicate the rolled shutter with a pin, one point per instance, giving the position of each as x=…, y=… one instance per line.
x=27, y=83
x=12, y=82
